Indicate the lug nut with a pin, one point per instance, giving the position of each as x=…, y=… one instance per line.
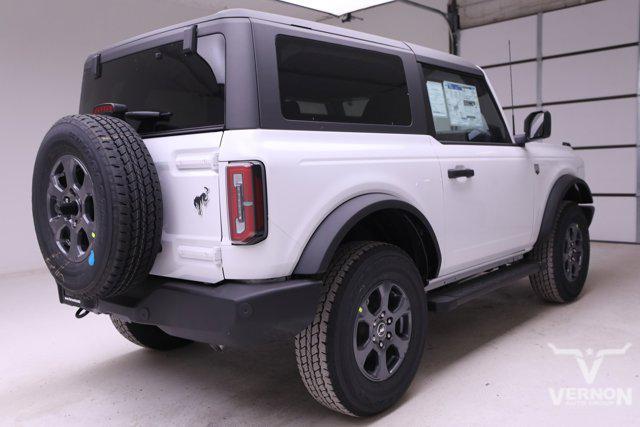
x=382, y=315
x=381, y=344
x=389, y=320
x=388, y=335
x=373, y=339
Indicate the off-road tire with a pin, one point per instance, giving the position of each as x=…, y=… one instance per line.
x=148, y=336
x=127, y=204
x=324, y=352
x=551, y=283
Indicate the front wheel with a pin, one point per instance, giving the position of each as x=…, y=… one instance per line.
x=362, y=351
x=563, y=257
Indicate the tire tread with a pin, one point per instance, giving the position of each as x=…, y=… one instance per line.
x=137, y=202
x=311, y=342
x=545, y=283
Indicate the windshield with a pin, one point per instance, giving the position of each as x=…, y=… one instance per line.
x=164, y=79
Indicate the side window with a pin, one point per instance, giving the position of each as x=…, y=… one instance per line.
x=328, y=82
x=462, y=108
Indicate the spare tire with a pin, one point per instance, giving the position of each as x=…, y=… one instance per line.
x=97, y=206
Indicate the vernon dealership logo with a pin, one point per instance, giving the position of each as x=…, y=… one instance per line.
x=590, y=362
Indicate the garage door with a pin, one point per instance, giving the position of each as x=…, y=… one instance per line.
x=581, y=63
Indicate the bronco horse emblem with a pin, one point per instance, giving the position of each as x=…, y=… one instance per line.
x=199, y=202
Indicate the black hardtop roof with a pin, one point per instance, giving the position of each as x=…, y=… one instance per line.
x=420, y=51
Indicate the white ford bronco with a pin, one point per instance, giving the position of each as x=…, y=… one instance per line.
x=248, y=177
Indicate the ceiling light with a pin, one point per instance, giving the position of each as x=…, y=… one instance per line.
x=337, y=8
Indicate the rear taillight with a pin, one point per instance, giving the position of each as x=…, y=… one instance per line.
x=246, y=202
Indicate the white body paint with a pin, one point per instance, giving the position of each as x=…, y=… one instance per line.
x=493, y=216
x=480, y=222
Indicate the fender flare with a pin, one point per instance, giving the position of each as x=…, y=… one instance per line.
x=567, y=187
x=324, y=242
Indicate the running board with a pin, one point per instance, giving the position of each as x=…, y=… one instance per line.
x=449, y=297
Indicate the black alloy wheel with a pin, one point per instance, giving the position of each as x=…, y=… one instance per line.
x=70, y=208
x=573, y=250
x=382, y=331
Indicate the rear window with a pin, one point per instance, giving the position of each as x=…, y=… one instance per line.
x=164, y=79
x=334, y=83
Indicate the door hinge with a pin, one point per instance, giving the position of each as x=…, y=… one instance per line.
x=197, y=161
x=215, y=162
x=217, y=256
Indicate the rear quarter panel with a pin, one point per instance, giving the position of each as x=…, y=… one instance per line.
x=309, y=174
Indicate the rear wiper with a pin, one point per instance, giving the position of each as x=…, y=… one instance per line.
x=148, y=115
x=120, y=110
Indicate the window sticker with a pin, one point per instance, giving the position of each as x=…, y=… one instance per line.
x=463, y=105
x=436, y=99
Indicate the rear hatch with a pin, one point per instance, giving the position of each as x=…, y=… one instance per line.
x=175, y=100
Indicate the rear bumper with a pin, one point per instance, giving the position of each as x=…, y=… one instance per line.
x=231, y=313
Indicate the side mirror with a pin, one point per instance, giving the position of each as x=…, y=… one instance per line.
x=537, y=125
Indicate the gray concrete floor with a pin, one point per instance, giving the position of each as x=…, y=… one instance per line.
x=487, y=362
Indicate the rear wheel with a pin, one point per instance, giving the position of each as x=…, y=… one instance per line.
x=563, y=257
x=362, y=351
x=148, y=336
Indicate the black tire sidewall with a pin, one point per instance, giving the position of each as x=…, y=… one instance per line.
x=149, y=336
x=66, y=138
x=359, y=394
x=570, y=290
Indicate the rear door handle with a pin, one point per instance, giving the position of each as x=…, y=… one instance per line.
x=460, y=173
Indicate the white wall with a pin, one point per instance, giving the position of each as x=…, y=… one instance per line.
x=44, y=43
x=588, y=51
x=403, y=21
x=480, y=12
